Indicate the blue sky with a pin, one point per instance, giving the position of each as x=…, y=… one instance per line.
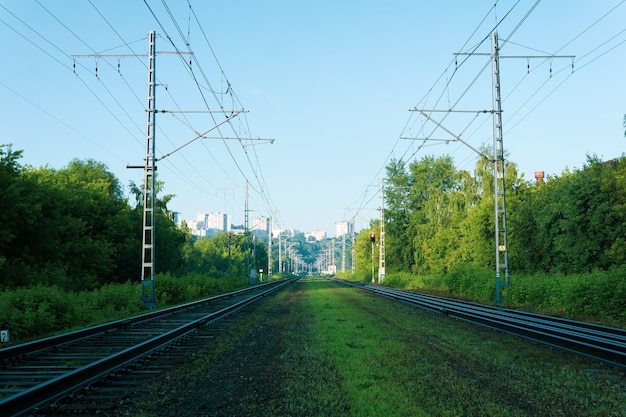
x=331, y=81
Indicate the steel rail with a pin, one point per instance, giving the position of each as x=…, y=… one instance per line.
x=47, y=392
x=603, y=343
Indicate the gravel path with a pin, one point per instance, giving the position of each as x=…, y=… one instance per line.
x=242, y=373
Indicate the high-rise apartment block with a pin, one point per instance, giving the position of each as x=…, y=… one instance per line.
x=343, y=228
x=209, y=224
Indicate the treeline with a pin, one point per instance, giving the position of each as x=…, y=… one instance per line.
x=438, y=217
x=74, y=228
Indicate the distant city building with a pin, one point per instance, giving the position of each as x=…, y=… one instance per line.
x=218, y=221
x=343, y=228
x=238, y=229
x=176, y=218
x=210, y=224
x=286, y=232
x=317, y=234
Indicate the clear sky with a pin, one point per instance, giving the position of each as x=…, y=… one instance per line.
x=331, y=81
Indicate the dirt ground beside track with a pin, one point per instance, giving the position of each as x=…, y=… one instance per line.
x=239, y=374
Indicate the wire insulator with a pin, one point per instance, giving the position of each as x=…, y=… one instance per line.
x=550, y=68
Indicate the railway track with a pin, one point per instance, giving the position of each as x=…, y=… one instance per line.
x=37, y=378
x=602, y=343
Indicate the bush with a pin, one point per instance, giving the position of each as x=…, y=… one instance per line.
x=113, y=300
x=33, y=311
x=471, y=282
x=597, y=296
x=172, y=290
x=40, y=311
x=398, y=280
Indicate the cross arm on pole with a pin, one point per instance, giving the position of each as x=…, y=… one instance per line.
x=231, y=116
x=258, y=140
x=456, y=137
x=515, y=56
x=98, y=56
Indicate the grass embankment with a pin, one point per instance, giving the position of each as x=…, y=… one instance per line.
x=597, y=296
x=322, y=349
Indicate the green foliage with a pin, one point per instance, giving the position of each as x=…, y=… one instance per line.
x=38, y=311
x=598, y=296
x=75, y=227
x=364, y=252
x=469, y=281
x=171, y=290
x=343, y=359
x=224, y=255
x=70, y=243
x=398, y=279
x=438, y=218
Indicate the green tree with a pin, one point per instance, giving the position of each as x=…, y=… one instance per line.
x=74, y=229
x=399, y=254
x=15, y=210
x=364, y=251
x=226, y=254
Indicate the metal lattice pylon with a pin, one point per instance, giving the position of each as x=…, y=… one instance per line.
x=147, y=252
x=501, y=246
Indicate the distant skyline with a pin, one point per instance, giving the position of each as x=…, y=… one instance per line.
x=331, y=82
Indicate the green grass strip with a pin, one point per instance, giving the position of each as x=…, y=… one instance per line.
x=354, y=354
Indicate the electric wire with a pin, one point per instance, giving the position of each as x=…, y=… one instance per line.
x=513, y=123
x=44, y=51
x=251, y=155
x=173, y=167
x=195, y=80
x=449, y=80
x=257, y=172
x=233, y=94
x=67, y=125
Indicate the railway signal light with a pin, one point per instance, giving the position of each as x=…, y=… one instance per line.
x=372, y=237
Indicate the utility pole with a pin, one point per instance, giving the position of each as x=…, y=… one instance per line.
x=246, y=229
x=148, y=253
x=332, y=266
x=501, y=244
x=270, y=234
x=149, y=176
x=343, y=252
x=280, y=256
x=353, y=263
x=149, y=180
x=498, y=162
x=381, y=239
x=373, y=242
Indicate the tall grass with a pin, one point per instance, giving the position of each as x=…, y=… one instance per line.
x=40, y=311
x=599, y=296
